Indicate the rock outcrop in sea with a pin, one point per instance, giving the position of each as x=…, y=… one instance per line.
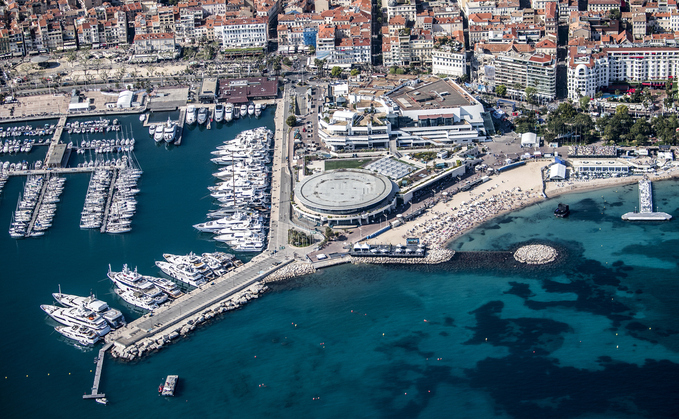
x=433, y=257
x=535, y=254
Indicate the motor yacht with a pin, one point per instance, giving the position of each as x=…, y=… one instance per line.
x=137, y=299
x=202, y=116
x=83, y=335
x=152, y=129
x=77, y=316
x=111, y=315
x=236, y=112
x=158, y=135
x=182, y=272
x=168, y=287
x=133, y=281
x=244, y=109
x=219, y=112
x=170, y=131
x=258, y=110
x=251, y=109
x=190, y=114
x=228, y=112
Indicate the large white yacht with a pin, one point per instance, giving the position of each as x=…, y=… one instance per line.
x=219, y=112
x=168, y=287
x=158, y=135
x=77, y=316
x=202, y=116
x=137, y=299
x=170, y=131
x=128, y=280
x=251, y=109
x=182, y=272
x=228, y=112
x=238, y=218
x=258, y=109
x=111, y=315
x=190, y=114
x=244, y=110
x=193, y=260
x=84, y=335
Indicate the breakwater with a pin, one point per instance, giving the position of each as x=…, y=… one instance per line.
x=291, y=271
x=188, y=324
x=535, y=254
x=433, y=257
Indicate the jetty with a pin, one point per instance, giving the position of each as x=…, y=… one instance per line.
x=109, y=199
x=646, y=212
x=51, y=159
x=180, y=125
x=36, y=211
x=97, y=374
x=170, y=316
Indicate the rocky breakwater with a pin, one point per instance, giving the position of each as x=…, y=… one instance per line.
x=164, y=337
x=433, y=257
x=290, y=271
x=535, y=254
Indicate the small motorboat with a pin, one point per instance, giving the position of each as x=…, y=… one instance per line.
x=102, y=400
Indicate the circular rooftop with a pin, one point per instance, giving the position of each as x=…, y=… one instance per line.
x=345, y=191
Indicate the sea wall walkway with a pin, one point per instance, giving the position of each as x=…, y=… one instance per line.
x=161, y=321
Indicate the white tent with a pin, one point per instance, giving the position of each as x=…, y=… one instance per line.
x=529, y=139
x=125, y=99
x=557, y=172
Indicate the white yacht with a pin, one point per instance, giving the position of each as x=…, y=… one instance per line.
x=236, y=112
x=77, y=316
x=258, y=109
x=251, y=109
x=238, y=218
x=182, y=272
x=152, y=129
x=202, y=116
x=137, y=299
x=128, y=280
x=190, y=114
x=170, y=131
x=219, y=112
x=158, y=135
x=84, y=335
x=228, y=112
x=244, y=110
x=168, y=287
x=195, y=261
x=111, y=315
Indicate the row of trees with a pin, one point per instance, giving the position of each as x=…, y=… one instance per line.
x=567, y=123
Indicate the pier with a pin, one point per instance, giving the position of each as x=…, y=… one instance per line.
x=180, y=125
x=36, y=211
x=171, y=315
x=97, y=374
x=646, y=206
x=50, y=158
x=109, y=199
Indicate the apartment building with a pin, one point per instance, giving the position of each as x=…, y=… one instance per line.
x=242, y=33
x=449, y=61
x=518, y=71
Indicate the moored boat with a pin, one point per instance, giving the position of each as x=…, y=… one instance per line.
x=219, y=112
x=84, y=335
x=228, y=112
x=190, y=114
x=202, y=116
x=562, y=211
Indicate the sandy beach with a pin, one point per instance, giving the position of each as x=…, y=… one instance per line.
x=506, y=192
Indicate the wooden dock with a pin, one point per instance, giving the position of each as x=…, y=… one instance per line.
x=180, y=125
x=107, y=208
x=97, y=374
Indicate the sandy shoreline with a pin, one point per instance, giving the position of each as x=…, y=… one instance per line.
x=504, y=193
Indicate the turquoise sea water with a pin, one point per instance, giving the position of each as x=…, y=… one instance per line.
x=593, y=335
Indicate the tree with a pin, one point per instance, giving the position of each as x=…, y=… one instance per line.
x=336, y=71
x=355, y=72
x=319, y=65
x=501, y=90
x=287, y=61
x=615, y=14
x=291, y=121
x=621, y=110
x=312, y=49
x=584, y=103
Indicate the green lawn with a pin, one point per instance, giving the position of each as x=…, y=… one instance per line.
x=346, y=164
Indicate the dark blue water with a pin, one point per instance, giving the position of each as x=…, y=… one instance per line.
x=594, y=335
